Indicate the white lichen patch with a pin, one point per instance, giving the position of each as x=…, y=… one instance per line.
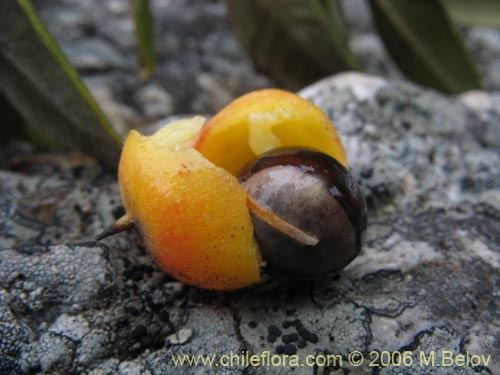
x=477, y=248
x=180, y=337
x=363, y=86
x=403, y=256
x=72, y=327
x=390, y=334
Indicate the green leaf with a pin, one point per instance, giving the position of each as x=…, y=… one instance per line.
x=425, y=44
x=296, y=42
x=8, y=115
x=474, y=12
x=144, y=35
x=18, y=129
x=37, y=79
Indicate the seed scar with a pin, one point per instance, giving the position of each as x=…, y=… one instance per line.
x=279, y=224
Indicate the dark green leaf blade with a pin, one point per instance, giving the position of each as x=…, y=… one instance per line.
x=9, y=115
x=474, y=12
x=37, y=79
x=144, y=35
x=17, y=128
x=296, y=42
x=425, y=45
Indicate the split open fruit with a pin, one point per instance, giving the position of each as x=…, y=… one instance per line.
x=180, y=190
x=192, y=214
x=263, y=121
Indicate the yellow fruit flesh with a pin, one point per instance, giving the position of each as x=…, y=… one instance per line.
x=192, y=214
x=265, y=120
x=179, y=134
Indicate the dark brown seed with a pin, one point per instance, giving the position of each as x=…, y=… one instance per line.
x=315, y=193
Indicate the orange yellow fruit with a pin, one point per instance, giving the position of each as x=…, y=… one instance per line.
x=192, y=214
x=265, y=120
x=180, y=191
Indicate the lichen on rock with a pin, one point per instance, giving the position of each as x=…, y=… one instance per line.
x=427, y=279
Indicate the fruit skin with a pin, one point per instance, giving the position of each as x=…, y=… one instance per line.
x=264, y=120
x=192, y=211
x=192, y=214
x=315, y=193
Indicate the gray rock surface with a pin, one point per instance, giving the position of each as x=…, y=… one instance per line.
x=484, y=44
x=427, y=280
x=200, y=65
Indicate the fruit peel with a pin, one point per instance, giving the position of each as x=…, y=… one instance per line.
x=265, y=120
x=192, y=214
x=179, y=186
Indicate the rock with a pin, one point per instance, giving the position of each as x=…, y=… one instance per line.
x=484, y=44
x=155, y=101
x=181, y=337
x=55, y=279
x=67, y=22
x=361, y=86
x=131, y=368
x=487, y=108
x=426, y=281
x=216, y=95
x=373, y=57
x=200, y=65
x=477, y=100
x=93, y=55
x=199, y=62
x=14, y=339
x=53, y=205
x=55, y=353
x=358, y=15
x=365, y=42
x=122, y=116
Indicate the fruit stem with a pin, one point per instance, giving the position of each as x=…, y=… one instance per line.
x=122, y=224
x=279, y=224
